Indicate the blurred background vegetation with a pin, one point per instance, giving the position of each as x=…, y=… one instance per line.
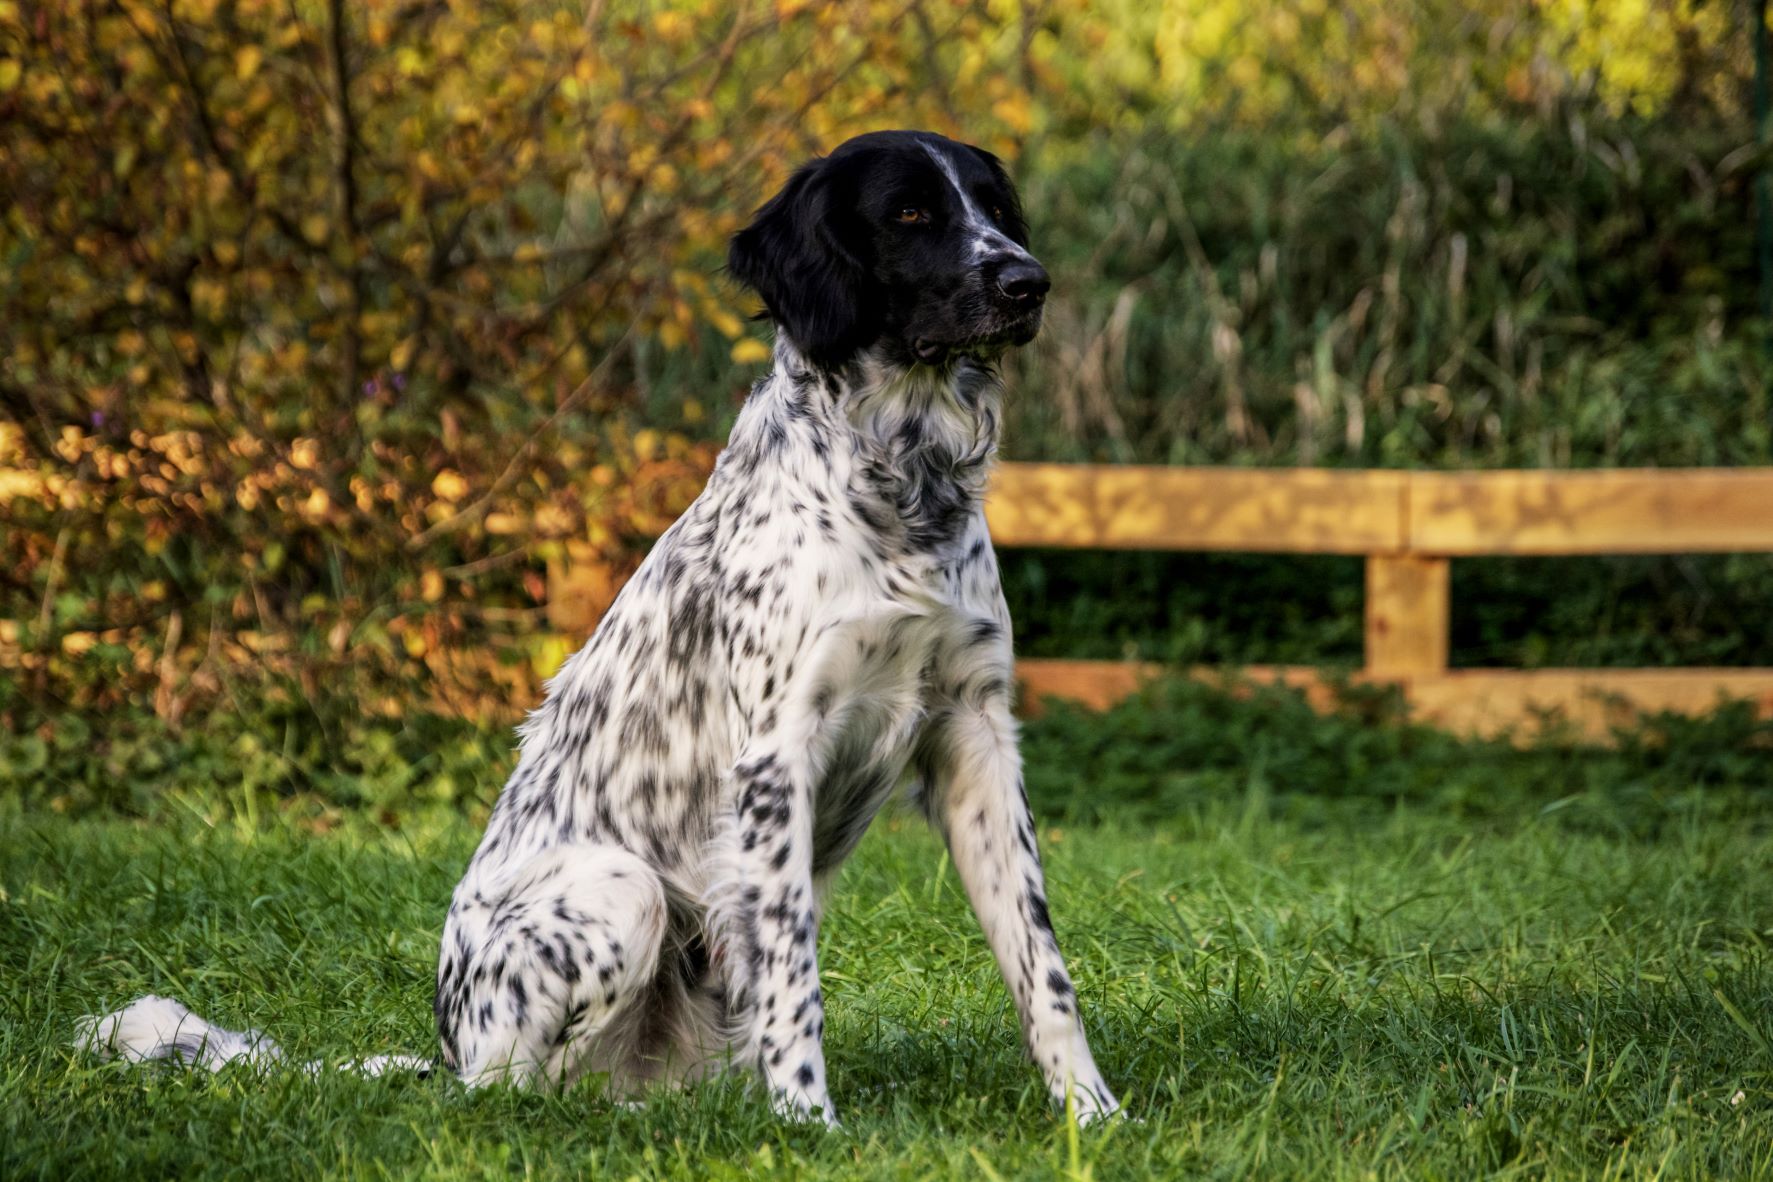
x=324, y=325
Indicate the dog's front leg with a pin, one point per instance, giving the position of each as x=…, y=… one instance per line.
x=973, y=775
x=775, y=932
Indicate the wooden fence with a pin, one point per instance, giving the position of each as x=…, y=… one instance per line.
x=1409, y=526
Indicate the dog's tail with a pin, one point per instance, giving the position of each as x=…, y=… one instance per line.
x=158, y=1028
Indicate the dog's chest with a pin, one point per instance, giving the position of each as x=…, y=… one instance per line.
x=891, y=666
x=871, y=715
x=857, y=569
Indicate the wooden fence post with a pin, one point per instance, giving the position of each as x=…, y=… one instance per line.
x=1407, y=606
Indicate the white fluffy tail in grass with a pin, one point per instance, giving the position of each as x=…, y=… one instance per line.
x=154, y=1028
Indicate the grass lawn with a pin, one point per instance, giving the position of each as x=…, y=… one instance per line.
x=1279, y=988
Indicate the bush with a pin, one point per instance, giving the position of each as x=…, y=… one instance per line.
x=1180, y=746
x=1566, y=291
x=320, y=321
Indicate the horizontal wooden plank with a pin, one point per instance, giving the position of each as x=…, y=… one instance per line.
x=1133, y=507
x=1095, y=684
x=1101, y=684
x=1619, y=511
x=1589, y=702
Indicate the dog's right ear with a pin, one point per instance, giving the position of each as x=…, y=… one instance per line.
x=799, y=256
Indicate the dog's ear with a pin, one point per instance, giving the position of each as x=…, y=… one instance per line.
x=802, y=254
x=1014, y=224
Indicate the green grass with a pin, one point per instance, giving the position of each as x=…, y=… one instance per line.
x=1345, y=990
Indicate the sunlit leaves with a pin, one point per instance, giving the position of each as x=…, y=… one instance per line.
x=1182, y=62
x=305, y=301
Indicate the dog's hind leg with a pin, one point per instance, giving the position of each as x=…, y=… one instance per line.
x=532, y=974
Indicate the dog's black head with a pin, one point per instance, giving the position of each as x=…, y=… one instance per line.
x=904, y=240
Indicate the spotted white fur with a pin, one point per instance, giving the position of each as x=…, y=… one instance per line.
x=823, y=627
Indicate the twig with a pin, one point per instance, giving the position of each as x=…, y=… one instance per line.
x=344, y=175
x=481, y=565
x=55, y=576
x=167, y=706
x=484, y=503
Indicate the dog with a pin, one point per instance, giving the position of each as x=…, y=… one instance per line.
x=824, y=626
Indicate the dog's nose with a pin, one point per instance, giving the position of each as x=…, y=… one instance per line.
x=1024, y=282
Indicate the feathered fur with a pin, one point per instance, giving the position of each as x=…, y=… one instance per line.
x=823, y=627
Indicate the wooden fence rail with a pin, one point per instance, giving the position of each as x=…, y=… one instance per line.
x=1409, y=525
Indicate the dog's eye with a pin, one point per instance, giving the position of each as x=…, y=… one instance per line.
x=997, y=214
x=912, y=215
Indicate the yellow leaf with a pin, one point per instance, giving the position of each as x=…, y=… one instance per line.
x=673, y=27
x=314, y=228
x=750, y=350
x=551, y=521
x=209, y=296
x=247, y=61
x=1016, y=112
x=431, y=586
x=548, y=654
x=646, y=444
x=11, y=70
x=725, y=322
x=449, y=485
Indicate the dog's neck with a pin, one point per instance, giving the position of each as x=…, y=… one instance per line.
x=921, y=437
x=887, y=407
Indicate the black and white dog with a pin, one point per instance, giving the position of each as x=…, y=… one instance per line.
x=824, y=625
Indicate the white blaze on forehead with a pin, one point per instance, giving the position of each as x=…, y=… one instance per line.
x=987, y=238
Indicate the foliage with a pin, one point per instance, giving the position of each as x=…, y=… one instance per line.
x=315, y=316
x=1313, y=62
x=1179, y=742
x=1575, y=290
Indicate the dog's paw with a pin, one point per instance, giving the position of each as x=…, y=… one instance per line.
x=1091, y=1106
x=804, y=1109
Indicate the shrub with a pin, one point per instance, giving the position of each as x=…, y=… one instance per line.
x=319, y=319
